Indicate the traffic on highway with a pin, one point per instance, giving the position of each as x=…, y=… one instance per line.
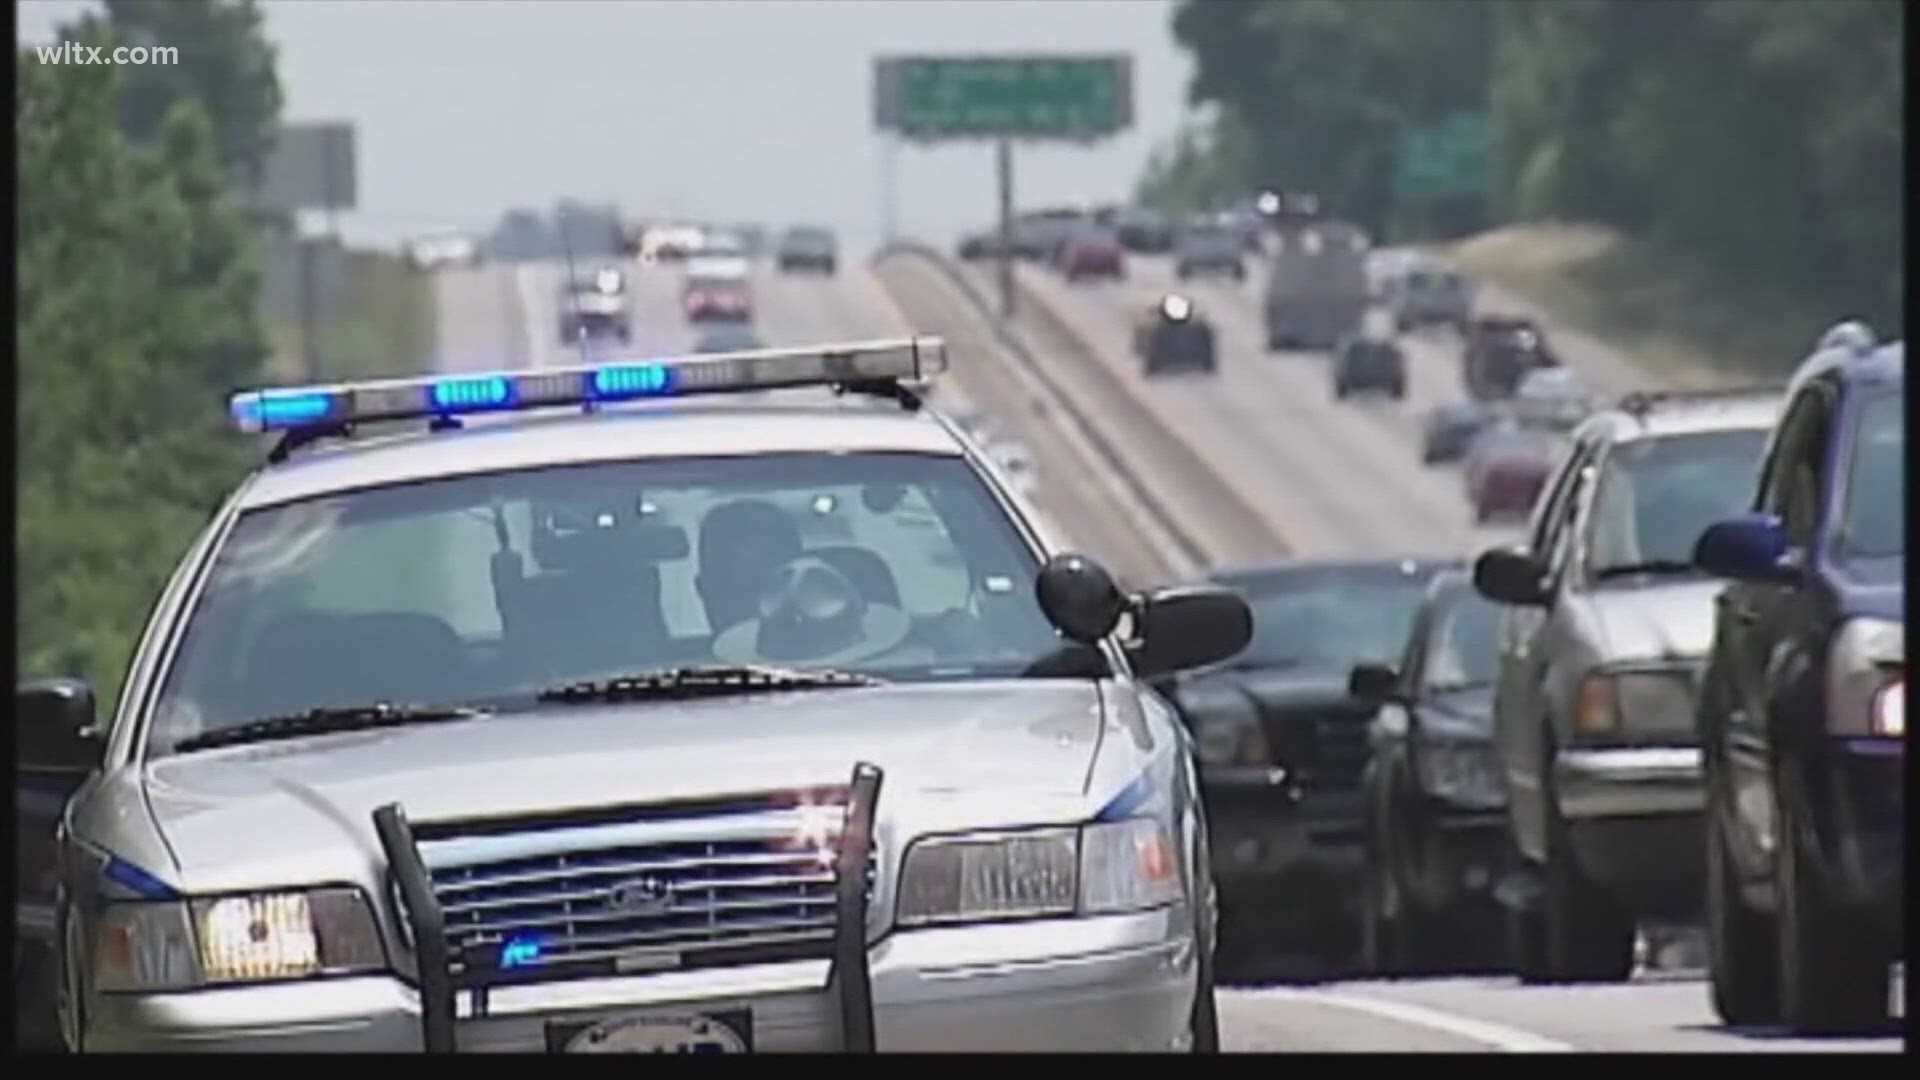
x=1214, y=619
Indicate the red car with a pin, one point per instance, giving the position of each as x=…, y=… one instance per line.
x=1091, y=254
x=1506, y=469
x=717, y=303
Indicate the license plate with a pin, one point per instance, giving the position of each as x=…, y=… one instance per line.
x=721, y=1033
x=1897, y=991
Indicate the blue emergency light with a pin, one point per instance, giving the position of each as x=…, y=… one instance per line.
x=903, y=360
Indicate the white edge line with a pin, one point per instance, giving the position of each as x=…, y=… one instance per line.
x=1507, y=1040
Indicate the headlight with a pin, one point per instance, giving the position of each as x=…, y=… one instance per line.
x=1635, y=703
x=1465, y=773
x=1104, y=868
x=176, y=945
x=1866, y=679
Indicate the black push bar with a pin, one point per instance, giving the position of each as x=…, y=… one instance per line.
x=848, y=975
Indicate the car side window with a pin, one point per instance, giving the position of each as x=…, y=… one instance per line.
x=1563, y=535
x=1793, y=479
x=1547, y=513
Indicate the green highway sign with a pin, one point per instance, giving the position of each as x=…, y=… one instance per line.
x=1447, y=160
x=1055, y=97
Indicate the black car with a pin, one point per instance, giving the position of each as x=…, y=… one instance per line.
x=1366, y=363
x=1500, y=350
x=807, y=248
x=1803, y=710
x=1435, y=799
x=1450, y=430
x=1282, y=745
x=1140, y=230
x=1209, y=249
x=1175, y=337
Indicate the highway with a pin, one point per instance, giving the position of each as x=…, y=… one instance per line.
x=1323, y=478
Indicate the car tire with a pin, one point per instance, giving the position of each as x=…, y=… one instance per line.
x=1399, y=390
x=1340, y=391
x=1389, y=930
x=1742, y=965
x=830, y=268
x=1589, y=934
x=1833, y=975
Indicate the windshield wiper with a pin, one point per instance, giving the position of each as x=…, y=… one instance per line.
x=326, y=721
x=1651, y=566
x=680, y=683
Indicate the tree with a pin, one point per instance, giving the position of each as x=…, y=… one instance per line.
x=225, y=60
x=135, y=313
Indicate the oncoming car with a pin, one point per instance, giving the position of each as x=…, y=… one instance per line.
x=545, y=730
x=1173, y=336
x=595, y=307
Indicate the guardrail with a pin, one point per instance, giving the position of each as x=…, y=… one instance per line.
x=1092, y=380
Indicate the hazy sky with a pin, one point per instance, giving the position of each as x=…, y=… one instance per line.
x=739, y=109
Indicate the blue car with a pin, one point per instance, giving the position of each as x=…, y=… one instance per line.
x=1803, y=707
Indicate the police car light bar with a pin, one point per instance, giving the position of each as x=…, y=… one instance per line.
x=901, y=360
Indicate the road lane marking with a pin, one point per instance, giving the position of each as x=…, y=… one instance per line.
x=1505, y=1039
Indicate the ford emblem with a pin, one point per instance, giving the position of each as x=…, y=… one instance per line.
x=641, y=896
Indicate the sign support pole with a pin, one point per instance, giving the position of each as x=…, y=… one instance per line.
x=1003, y=161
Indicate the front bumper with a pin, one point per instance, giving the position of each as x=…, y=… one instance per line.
x=1629, y=782
x=1122, y=982
x=1634, y=816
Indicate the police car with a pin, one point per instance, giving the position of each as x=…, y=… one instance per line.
x=537, y=725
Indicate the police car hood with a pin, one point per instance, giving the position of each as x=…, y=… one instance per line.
x=968, y=751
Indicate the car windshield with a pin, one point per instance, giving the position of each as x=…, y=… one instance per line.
x=1873, y=517
x=1657, y=495
x=1464, y=651
x=485, y=589
x=1325, y=621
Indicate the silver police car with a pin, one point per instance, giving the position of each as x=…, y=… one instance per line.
x=542, y=726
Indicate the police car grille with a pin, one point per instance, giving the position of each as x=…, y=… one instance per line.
x=636, y=908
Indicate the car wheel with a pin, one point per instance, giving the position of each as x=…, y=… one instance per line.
x=1833, y=978
x=1589, y=933
x=1399, y=391
x=1742, y=966
x=1340, y=391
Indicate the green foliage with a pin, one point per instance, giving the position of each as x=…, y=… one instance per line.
x=225, y=62
x=1761, y=141
x=1200, y=168
x=135, y=313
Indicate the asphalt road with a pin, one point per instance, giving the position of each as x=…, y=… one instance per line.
x=1334, y=478
x=1343, y=477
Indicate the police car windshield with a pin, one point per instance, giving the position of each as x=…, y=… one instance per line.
x=485, y=589
x=1320, y=622
x=1657, y=495
x=1873, y=521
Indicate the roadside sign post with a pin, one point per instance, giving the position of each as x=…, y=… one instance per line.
x=1005, y=98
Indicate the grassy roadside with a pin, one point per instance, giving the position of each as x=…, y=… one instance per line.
x=1645, y=304
x=385, y=325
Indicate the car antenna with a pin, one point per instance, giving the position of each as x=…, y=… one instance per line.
x=573, y=280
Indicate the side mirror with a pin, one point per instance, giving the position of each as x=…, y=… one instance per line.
x=1079, y=598
x=1190, y=626
x=1372, y=682
x=1510, y=576
x=54, y=724
x=1751, y=547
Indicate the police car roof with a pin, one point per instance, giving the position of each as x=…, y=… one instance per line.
x=566, y=436
x=1684, y=414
